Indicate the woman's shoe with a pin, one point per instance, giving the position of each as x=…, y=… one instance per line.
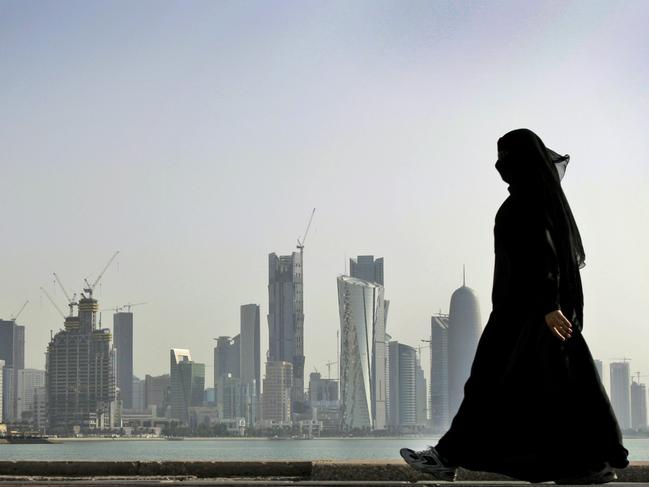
x=607, y=474
x=430, y=462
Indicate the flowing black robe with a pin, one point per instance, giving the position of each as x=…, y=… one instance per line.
x=534, y=407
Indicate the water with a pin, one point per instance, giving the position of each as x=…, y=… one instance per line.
x=240, y=449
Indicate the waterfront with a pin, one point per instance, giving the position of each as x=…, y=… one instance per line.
x=220, y=449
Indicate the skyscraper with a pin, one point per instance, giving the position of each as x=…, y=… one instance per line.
x=227, y=363
x=367, y=268
x=464, y=329
x=250, y=348
x=12, y=351
x=123, y=342
x=402, y=415
x=638, y=406
x=439, y=407
x=363, y=376
x=621, y=393
x=286, y=316
x=80, y=380
x=276, y=398
x=187, y=383
x=250, y=361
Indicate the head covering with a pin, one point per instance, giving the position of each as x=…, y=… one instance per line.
x=534, y=174
x=560, y=162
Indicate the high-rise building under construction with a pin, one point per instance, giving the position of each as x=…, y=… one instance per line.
x=286, y=316
x=80, y=381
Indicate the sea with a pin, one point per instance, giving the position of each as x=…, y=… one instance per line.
x=248, y=449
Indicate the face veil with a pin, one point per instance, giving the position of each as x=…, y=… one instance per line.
x=534, y=175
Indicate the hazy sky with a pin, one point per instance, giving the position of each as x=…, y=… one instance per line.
x=196, y=137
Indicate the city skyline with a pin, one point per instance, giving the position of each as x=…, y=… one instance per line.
x=363, y=318
x=210, y=360
x=196, y=140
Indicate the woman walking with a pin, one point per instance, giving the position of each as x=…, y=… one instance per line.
x=534, y=407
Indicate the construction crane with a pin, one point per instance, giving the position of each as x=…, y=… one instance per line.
x=429, y=342
x=72, y=301
x=116, y=309
x=126, y=307
x=15, y=316
x=91, y=287
x=56, y=307
x=329, y=364
x=129, y=306
x=300, y=243
x=637, y=376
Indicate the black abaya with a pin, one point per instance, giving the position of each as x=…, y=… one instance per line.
x=534, y=407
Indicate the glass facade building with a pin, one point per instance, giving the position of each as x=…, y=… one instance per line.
x=439, y=412
x=187, y=384
x=363, y=375
x=403, y=386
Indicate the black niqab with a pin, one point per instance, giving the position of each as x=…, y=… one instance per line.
x=530, y=170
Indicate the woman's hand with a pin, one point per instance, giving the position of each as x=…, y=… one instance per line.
x=559, y=325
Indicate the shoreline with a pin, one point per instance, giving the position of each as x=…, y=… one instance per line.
x=70, y=439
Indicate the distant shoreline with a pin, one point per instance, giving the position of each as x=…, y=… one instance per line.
x=71, y=439
x=234, y=438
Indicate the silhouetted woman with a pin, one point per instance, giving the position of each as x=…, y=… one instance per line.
x=534, y=407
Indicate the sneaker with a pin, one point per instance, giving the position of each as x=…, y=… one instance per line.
x=607, y=474
x=428, y=461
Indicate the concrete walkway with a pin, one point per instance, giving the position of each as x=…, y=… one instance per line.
x=271, y=483
x=320, y=473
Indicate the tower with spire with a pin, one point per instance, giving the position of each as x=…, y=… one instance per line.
x=464, y=329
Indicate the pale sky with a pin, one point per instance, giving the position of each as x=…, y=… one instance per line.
x=196, y=137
